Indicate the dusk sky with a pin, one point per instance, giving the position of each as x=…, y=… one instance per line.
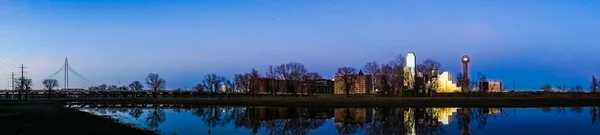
x=110, y=41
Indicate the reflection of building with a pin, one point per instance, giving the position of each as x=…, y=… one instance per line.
x=495, y=111
x=444, y=114
x=445, y=83
x=491, y=86
x=353, y=115
x=361, y=86
x=278, y=113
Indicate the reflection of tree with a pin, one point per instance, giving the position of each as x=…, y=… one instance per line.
x=483, y=114
x=560, y=110
x=212, y=117
x=389, y=121
x=136, y=113
x=293, y=123
x=464, y=121
x=595, y=112
x=350, y=124
x=198, y=111
x=177, y=109
x=428, y=122
x=577, y=110
x=546, y=109
x=123, y=110
x=156, y=117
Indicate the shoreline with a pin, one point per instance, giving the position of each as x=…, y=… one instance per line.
x=358, y=101
x=42, y=117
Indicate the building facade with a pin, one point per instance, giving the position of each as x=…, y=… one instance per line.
x=491, y=86
x=445, y=83
x=362, y=84
x=320, y=86
x=411, y=69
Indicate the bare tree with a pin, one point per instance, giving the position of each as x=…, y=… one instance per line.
x=113, y=87
x=199, y=87
x=546, y=88
x=594, y=84
x=272, y=75
x=136, y=85
x=242, y=82
x=577, y=88
x=123, y=88
x=292, y=74
x=560, y=88
x=393, y=78
x=253, y=78
x=386, y=80
x=102, y=87
x=429, y=65
x=24, y=86
x=481, y=79
x=50, y=84
x=310, y=79
x=155, y=83
x=349, y=78
x=373, y=69
x=229, y=86
x=465, y=83
x=213, y=83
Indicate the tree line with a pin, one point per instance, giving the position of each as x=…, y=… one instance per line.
x=394, y=78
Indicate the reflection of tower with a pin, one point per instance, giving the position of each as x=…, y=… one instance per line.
x=411, y=64
x=465, y=121
x=465, y=72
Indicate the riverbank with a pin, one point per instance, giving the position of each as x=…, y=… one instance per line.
x=338, y=101
x=42, y=117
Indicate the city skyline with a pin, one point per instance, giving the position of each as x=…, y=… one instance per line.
x=123, y=41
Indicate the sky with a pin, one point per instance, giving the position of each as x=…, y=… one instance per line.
x=532, y=42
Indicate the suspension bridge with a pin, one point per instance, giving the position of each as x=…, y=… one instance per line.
x=67, y=76
x=67, y=70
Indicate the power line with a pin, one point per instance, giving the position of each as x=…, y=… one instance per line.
x=8, y=61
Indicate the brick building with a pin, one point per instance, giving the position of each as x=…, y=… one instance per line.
x=362, y=85
x=321, y=86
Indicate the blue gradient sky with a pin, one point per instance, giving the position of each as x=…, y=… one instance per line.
x=112, y=41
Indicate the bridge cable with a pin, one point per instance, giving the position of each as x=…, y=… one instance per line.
x=83, y=77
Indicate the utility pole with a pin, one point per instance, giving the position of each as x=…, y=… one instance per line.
x=12, y=80
x=22, y=82
x=514, y=85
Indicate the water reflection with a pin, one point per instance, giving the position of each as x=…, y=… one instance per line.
x=301, y=121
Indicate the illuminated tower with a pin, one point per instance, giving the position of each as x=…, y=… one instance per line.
x=411, y=65
x=465, y=72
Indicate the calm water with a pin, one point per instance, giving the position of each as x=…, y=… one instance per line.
x=218, y=120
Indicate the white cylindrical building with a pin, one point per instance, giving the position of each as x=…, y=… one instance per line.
x=411, y=65
x=411, y=62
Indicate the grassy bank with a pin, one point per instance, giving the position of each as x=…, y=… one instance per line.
x=45, y=118
x=339, y=101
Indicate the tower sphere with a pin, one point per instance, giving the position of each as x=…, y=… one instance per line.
x=466, y=59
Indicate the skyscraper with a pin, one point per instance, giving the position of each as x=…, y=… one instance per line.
x=411, y=64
